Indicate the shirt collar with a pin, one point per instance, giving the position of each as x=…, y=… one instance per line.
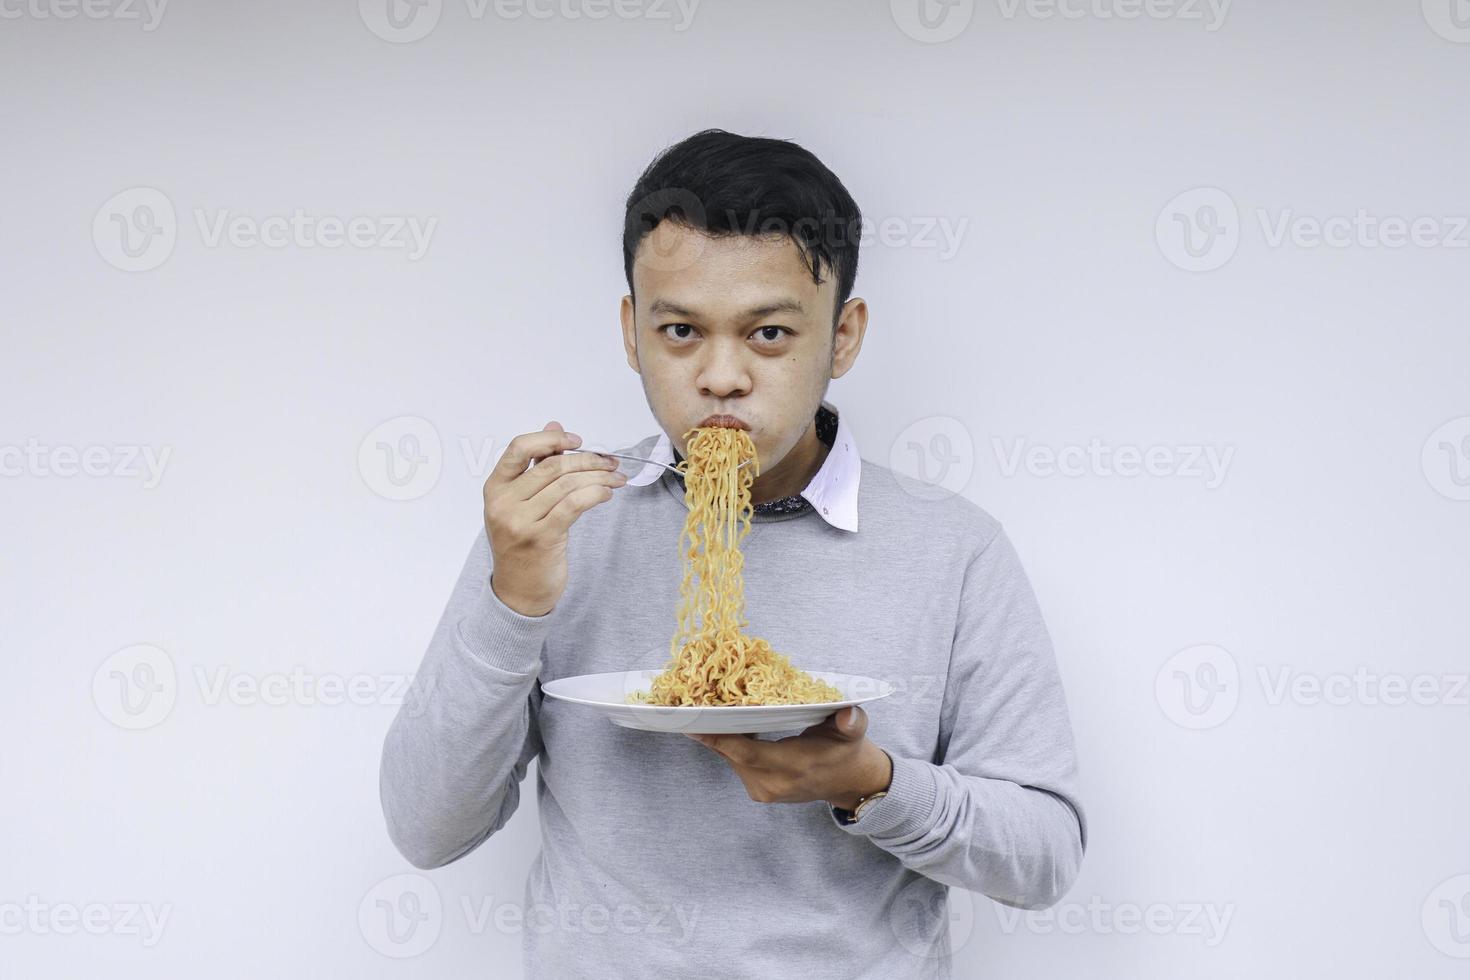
x=832, y=492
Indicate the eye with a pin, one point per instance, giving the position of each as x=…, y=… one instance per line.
x=683, y=331
x=676, y=326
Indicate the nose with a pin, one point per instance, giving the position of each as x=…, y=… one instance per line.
x=723, y=373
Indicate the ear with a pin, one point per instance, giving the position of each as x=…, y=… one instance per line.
x=626, y=313
x=847, y=338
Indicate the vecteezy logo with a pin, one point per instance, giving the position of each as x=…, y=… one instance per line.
x=135, y=230
x=1199, y=230
x=1446, y=917
x=923, y=910
x=1446, y=459
x=401, y=916
x=1450, y=19
x=666, y=245
x=938, y=452
x=932, y=21
x=401, y=459
x=400, y=21
x=136, y=687
x=1198, y=687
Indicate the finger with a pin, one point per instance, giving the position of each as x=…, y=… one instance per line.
x=851, y=723
x=578, y=476
x=737, y=748
x=573, y=505
x=531, y=446
x=547, y=476
x=828, y=725
x=832, y=726
x=547, y=469
x=702, y=739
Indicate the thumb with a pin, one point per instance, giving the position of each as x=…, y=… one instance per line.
x=851, y=723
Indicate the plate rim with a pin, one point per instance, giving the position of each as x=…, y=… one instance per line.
x=888, y=689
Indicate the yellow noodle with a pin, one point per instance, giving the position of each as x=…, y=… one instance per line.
x=712, y=662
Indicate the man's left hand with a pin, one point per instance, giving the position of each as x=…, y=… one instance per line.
x=831, y=761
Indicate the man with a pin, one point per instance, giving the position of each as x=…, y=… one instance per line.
x=823, y=854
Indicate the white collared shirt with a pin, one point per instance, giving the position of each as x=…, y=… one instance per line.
x=832, y=492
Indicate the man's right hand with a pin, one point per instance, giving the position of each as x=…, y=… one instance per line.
x=528, y=510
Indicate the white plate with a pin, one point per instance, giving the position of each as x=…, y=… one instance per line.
x=605, y=693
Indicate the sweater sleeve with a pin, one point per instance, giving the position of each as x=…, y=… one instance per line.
x=998, y=812
x=457, y=750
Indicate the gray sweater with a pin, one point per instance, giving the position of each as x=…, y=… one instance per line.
x=654, y=860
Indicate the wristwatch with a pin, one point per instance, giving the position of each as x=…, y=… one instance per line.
x=856, y=813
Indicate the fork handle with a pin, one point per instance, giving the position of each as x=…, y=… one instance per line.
x=639, y=459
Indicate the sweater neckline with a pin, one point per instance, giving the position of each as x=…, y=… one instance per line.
x=782, y=508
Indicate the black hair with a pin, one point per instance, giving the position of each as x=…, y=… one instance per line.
x=723, y=183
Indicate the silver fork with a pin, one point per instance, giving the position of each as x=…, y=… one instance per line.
x=640, y=459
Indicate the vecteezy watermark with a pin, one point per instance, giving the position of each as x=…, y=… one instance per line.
x=401, y=916
x=937, y=454
x=223, y=685
x=1211, y=13
x=675, y=923
x=124, y=461
x=142, y=920
x=656, y=225
x=1445, y=459
x=137, y=229
x=1362, y=686
x=1446, y=917
x=389, y=232
x=932, y=21
x=1204, y=920
x=1200, y=230
x=404, y=915
x=1362, y=229
x=148, y=12
x=942, y=233
x=907, y=689
x=1193, y=462
x=405, y=21
x=403, y=457
x=1450, y=19
x=137, y=687
x=936, y=21
x=924, y=911
x=1200, y=687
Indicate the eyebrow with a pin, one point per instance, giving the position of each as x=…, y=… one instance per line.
x=663, y=306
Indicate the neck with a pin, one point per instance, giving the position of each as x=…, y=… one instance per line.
x=794, y=472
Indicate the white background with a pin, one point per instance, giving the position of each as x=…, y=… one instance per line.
x=1327, y=837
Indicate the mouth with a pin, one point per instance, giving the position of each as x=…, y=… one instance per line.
x=724, y=422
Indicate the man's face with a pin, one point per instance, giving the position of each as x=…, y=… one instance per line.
x=731, y=325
